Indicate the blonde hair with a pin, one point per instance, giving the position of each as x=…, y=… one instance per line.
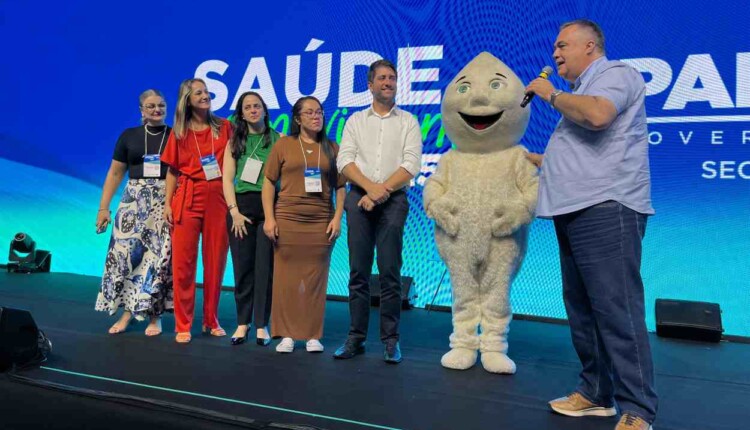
x=183, y=112
x=146, y=94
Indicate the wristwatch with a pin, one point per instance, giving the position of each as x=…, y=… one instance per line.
x=553, y=96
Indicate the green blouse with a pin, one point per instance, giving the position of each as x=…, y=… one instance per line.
x=253, y=147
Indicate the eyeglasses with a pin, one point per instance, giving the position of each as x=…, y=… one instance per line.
x=312, y=114
x=152, y=106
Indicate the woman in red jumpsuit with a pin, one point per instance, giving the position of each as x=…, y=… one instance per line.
x=195, y=205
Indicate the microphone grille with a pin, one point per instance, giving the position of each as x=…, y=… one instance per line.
x=547, y=70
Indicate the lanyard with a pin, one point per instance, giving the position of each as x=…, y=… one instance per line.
x=200, y=156
x=299, y=138
x=145, y=138
x=257, y=144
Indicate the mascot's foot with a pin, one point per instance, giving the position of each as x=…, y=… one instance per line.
x=459, y=359
x=497, y=362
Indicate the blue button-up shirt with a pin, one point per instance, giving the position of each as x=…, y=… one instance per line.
x=584, y=167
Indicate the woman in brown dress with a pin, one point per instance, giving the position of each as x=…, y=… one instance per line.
x=303, y=223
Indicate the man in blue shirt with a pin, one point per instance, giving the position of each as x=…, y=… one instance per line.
x=595, y=184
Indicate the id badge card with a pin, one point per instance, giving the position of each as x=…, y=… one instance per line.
x=251, y=171
x=210, y=167
x=151, y=166
x=313, y=183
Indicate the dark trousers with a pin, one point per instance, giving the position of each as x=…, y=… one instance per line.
x=600, y=257
x=252, y=258
x=381, y=229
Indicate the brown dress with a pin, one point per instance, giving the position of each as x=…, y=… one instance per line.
x=302, y=254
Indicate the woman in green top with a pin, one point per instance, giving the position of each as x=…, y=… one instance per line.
x=252, y=251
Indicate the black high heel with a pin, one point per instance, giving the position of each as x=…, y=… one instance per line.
x=263, y=341
x=239, y=340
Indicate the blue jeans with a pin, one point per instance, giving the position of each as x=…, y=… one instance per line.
x=600, y=259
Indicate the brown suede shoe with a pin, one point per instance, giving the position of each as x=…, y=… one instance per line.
x=575, y=405
x=632, y=422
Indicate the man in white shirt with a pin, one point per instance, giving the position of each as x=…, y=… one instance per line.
x=381, y=152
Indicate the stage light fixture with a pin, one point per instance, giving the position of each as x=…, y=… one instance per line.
x=25, y=258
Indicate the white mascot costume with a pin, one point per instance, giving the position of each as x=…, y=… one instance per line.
x=482, y=197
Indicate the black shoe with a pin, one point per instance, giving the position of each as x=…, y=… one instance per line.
x=350, y=348
x=263, y=341
x=392, y=353
x=239, y=340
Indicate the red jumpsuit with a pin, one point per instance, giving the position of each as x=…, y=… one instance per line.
x=198, y=207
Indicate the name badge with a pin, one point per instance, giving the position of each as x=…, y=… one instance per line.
x=151, y=166
x=210, y=167
x=313, y=183
x=251, y=171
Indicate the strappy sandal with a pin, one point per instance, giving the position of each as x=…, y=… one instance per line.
x=154, y=328
x=184, y=337
x=119, y=327
x=218, y=331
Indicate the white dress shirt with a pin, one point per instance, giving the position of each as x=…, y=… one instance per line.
x=379, y=145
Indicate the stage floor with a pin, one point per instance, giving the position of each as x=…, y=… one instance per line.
x=701, y=386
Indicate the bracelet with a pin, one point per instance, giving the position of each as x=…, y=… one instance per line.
x=105, y=210
x=232, y=206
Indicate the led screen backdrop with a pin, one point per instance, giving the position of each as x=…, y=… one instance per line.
x=72, y=73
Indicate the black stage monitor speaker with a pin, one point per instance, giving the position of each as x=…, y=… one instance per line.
x=406, y=282
x=21, y=342
x=688, y=320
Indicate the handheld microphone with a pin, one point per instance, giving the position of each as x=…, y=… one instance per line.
x=546, y=71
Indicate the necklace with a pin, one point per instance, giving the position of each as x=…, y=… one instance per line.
x=308, y=151
x=145, y=126
x=145, y=138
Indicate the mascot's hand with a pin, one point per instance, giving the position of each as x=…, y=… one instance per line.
x=508, y=218
x=444, y=211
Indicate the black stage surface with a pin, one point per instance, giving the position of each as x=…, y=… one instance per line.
x=142, y=382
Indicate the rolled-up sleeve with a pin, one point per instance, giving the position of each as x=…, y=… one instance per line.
x=348, y=147
x=412, y=158
x=618, y=84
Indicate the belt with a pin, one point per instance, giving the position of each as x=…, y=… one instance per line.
x=183, y=197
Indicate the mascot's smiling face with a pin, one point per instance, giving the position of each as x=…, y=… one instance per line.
x=481, y=108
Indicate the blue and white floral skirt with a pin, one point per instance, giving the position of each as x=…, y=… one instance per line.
x=138, y=270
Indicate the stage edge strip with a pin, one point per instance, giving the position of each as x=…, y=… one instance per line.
x=223, y=399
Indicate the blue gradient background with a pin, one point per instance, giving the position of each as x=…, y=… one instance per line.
x=73, y=71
